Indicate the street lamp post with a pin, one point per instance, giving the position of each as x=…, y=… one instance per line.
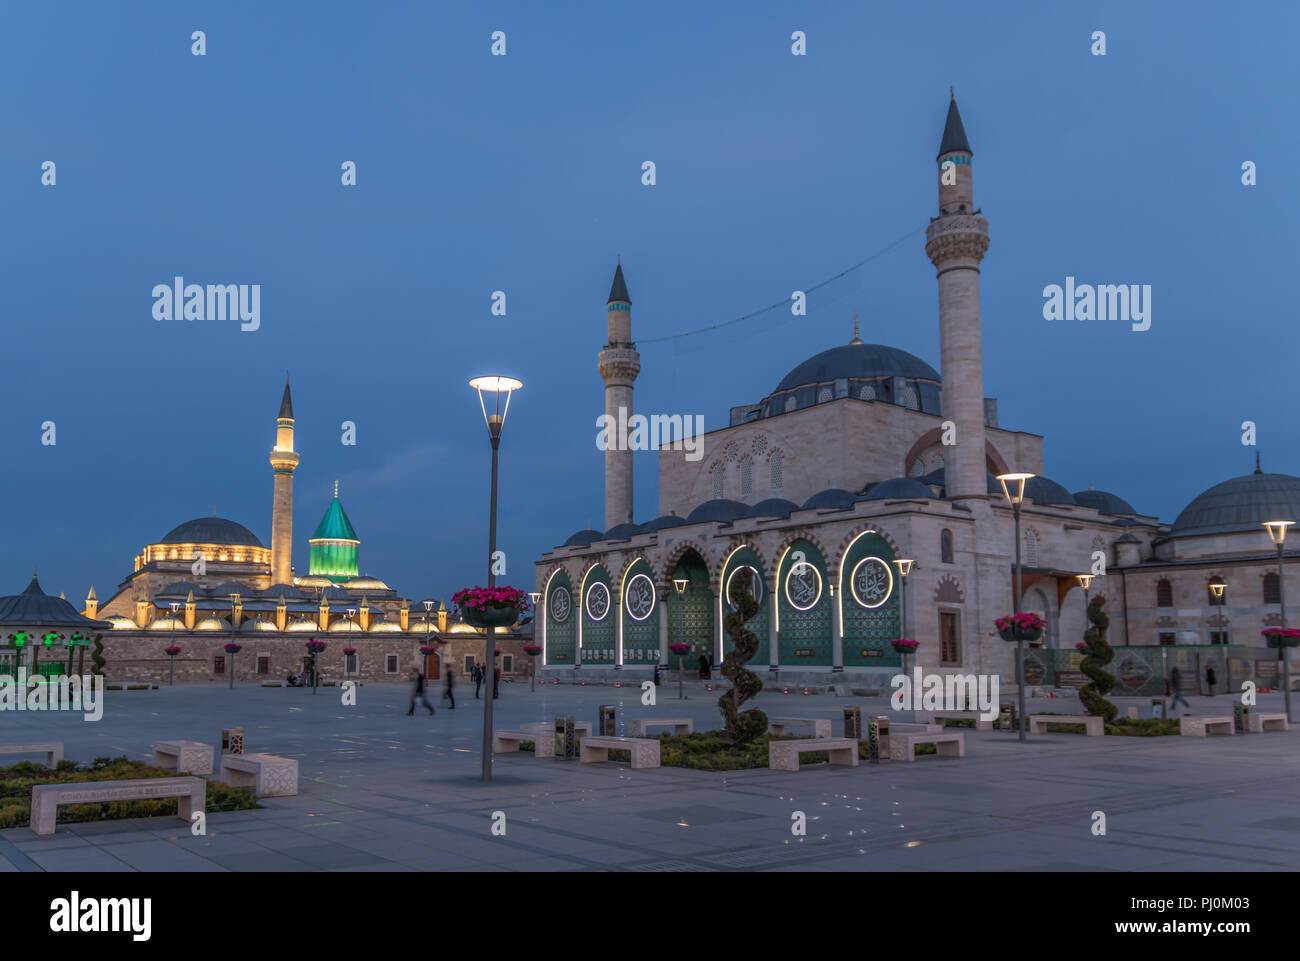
x=496, y=421
x=1277, y=531
x=1013, y=488
x=233, y=599
x=534, y=596
x=171, y=676
x=679, y=585
x=904, y=566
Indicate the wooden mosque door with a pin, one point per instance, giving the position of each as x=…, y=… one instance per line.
x=432, y=666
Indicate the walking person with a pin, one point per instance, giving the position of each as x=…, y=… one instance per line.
x=1211, y=680
x=1175, y=689
x=418, y=694
x=657, y=675
x=477, y=673
x=448, y=688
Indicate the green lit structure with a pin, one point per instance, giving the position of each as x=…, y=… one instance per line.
x=334, y=545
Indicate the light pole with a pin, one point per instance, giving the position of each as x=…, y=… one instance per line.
x=171, y=677
x=233, y=599
x=1013, y=488
x=679, y=585
x=1277, y=531
x=904, y=566
x=1085, y=581
x=496, y=421
x=534, y=596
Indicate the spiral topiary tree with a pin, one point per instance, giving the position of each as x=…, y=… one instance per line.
x=1099, y=655
x=97, y=655
x=741, y=727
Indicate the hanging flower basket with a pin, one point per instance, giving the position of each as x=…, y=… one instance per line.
x=1020, y=627
x=349, y=650
x=234, y=648
x=903, y=646
x=532, y=650
x=1281, y=636
x=171, y=651
x=315, y=647
x=680, y=648
x=491, y=606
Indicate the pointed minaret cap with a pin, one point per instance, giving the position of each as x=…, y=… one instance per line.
x=286, y=402
x=91, y=595
x=618, y=292
x=954, y=134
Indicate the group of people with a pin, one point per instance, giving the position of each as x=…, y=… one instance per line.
x=477, y=672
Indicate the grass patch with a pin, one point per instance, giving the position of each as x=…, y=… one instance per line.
x=17, y=781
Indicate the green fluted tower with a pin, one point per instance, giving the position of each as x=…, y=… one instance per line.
x=335, y=544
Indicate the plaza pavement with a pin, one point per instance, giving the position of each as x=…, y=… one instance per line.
x=380, y=791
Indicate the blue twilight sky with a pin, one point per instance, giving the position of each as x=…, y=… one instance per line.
x=522, y=173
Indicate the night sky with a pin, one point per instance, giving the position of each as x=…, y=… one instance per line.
x=523, y=173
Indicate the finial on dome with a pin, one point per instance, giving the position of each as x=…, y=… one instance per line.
x=1092, y=483
x=336, y=489
x=856, y=339
x=1257, y=470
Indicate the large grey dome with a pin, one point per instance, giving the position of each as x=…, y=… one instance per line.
x=1044, y=491
x=1241, y=504
x=212, y=530
x=832, y=498
x=858, y=362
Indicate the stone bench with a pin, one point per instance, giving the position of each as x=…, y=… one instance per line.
x=913, y=727
x=580, y=728
x=183, y=757
x=507, y=742
x=645, y=752
x=1259, y=723
x=981, y=723
x=1094, y=726
x=779, y=725
x=902, y=747
x=266, y=774
x=191, y=794
x=1192, y=726
x=637, y=726
x=784, y=755
x=53, y=750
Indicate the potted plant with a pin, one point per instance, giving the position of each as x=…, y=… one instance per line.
x=1026, y=626
x=903, y=646
x=233, y=648
x=171, y=653
x=315, y=647
x=532, y=650
x=490, y=606
x=427, y=649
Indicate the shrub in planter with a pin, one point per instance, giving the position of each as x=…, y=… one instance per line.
x=1099, y=654
x=741, y=728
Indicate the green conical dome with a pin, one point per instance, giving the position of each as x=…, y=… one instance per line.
x=335, y=544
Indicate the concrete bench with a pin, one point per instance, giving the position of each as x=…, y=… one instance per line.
x=1191, y=726
x=191, y=794
x=266, y=774
x=53, y=750
x=638, y=726
x=981, y=723
x=902, y=747
x=784, y=755
x=913, y=727
x=183, y=757
x=645, y=752
x=1259, y=723
x=507, y=742
x=1094, y=726
x=780, y=725
x=580, y=728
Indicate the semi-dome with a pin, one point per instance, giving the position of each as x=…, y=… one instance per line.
x=659, y=523
x=833, y=498
x=1241, y=504
x=583, y=538
x=1103, y=502
x=899, y=488
x=1046, y=492
x=719, y=510
x=772, y=507
x=858, y=361
x=212, y=530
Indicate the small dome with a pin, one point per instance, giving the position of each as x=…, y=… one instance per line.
x=659, y=523
x=290, y=592
x=773, y=507
x=583, y=538
x=1241, y=504
x=311, y=580
x=257, y=625
x=991, y=484
x=122, y=623
x=231, y=587
x=213, y=624
x=366, y=583
x=211, y=530
x=301, y=625
x=833, y=498
x=1103, y=502
x=718, y=511
x=621, y=532
x=1045, y=492
x=168, y=623
x=899, y=488
x=345, y=627
x=386, y=627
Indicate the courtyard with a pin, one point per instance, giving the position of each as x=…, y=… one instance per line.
x=380, y=791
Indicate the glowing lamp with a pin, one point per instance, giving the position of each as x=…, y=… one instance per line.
x=1013, y=486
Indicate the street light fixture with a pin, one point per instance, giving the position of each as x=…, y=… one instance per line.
x=1277, y=532
x=234, y=599
x=534, y=596
x=1013, y=488
x=495, y=422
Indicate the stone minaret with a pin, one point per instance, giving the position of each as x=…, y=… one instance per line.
x=955, y=242
x=283, y=461
x=619, y=364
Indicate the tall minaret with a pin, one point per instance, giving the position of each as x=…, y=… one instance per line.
x=955, y=242
x=619, y=364
x=283, y=461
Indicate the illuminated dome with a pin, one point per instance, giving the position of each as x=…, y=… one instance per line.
x=386, y=627
x=212, y=530
x=345, y=627
x=122, y=623
x=334, y=545
x=162, y=624
x=301, y=625
x=260, y=624
x=313, y=580
x=365, y=583
x=213, y=624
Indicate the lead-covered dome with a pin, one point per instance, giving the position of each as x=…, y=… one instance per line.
x=212, y=530
x=1241, y=504
x=858, y=362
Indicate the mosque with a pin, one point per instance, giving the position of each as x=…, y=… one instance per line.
x=865, y=457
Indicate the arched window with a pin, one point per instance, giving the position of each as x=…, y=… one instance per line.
x=746, y=477
x=790, y=403
x=907, y=397
x=774, y=467
x=1272, y=590
x=945, y=546
x=1031, y=548
x=1164, y=593
x=717, y=481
